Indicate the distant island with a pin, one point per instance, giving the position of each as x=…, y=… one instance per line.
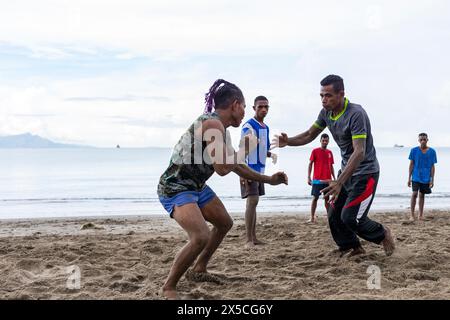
x=398, y=146
x=28, y=140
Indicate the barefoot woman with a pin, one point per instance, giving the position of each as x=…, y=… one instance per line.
x=182, y=190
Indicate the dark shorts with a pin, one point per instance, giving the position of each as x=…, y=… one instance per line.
x=201, y=198
x=422, y=187
x=315, y=190
x=251, y=188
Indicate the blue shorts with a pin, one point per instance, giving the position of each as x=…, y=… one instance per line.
x=199, y=197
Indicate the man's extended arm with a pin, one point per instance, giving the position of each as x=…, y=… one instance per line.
x=298, y=140
x=245, y=172
x=222, y=155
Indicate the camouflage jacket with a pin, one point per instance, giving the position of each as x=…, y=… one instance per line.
x=189, y=167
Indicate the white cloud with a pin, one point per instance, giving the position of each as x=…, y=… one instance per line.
x=149, y=28
x=151, y=62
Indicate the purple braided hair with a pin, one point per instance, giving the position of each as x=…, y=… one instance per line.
x=210, y=95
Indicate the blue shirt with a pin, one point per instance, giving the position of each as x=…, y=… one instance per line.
x=422, y=164
x=257, y=159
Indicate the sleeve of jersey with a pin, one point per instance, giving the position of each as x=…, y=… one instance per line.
x=246, y=129
x=320, y=122
x=434, y=157
x=358, y=126
x=311, y=158
x=411, y=155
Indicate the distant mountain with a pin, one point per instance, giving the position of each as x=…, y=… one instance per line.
x=28, y=140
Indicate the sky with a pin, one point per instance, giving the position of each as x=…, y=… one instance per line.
x=134, y=72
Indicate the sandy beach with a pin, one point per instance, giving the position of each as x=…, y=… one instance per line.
x=129, y=258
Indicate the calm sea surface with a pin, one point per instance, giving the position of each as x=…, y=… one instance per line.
x=105, y=182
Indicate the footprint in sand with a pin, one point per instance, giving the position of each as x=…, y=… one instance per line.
x=151, y=246
x=401, y=238
x=168, y=259
x=90, y=226
x=116, y=277
x=204, y=277
x=199, y=295
x=29, y=264
x=423, y=276
x=150, y=251
x=286, y=235
x=5, y=250
x=135, y=278
x=124, y=286
x=21, y=296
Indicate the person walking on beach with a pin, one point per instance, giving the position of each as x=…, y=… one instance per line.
x=205, y=148
x=322, y=160
x=256, y=160
x=421, y=173
x=351, y=195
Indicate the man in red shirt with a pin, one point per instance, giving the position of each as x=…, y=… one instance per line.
x=323, y=161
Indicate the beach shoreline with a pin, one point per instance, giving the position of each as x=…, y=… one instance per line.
x=163, y=214
x=128, y=257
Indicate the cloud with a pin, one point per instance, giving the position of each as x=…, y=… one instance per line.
x=157, y=28
x=34, y=115
x=137, y=74
x=119, y=99
x=166, y=122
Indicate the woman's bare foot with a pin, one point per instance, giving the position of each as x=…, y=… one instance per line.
x=421, y=217
x=412, y=218
x=257, y=242
x=249, y=245
x=388, y=242
x=169, y=294
x=312, y=220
